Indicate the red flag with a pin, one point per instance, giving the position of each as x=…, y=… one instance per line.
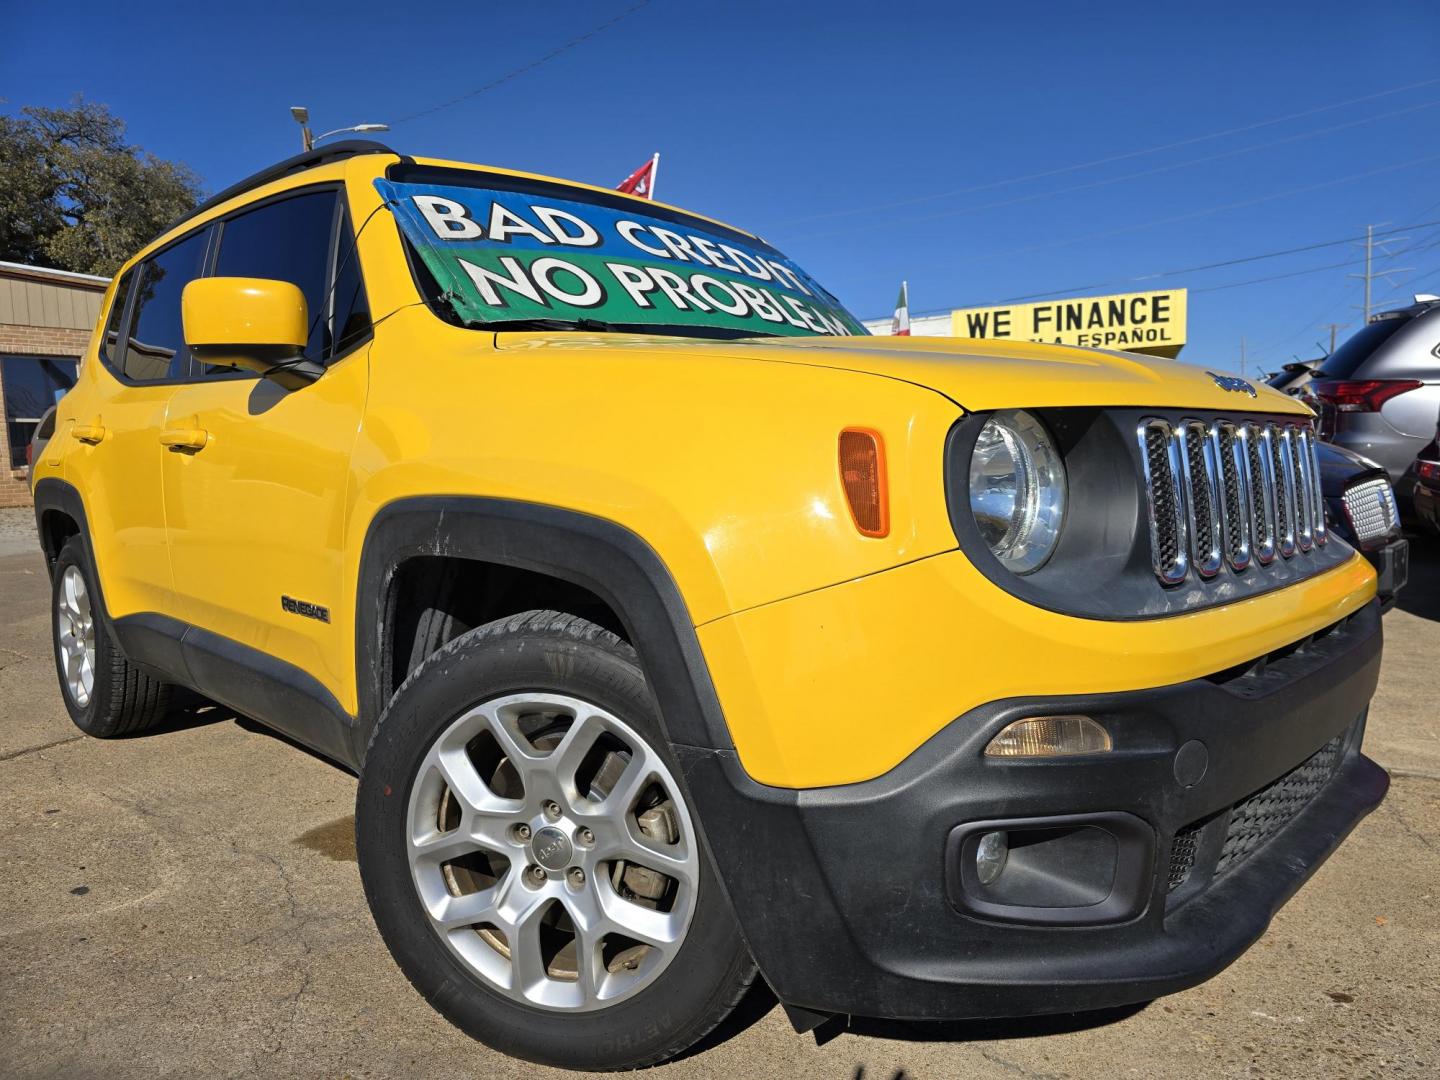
x=642, y=181
x=900, y=325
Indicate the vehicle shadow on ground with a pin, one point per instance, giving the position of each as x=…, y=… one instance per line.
x=760, y=1001
x=189, y=710
x=1421, y=595
x=186, y=710
x=970, y=1031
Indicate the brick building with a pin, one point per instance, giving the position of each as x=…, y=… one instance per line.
x=46, y=317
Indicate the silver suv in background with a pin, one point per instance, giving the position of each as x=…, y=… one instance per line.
x=1379, y=393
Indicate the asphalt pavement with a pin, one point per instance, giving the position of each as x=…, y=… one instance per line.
x=186, y=903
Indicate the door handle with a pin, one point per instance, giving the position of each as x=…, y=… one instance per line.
x=185, y=438
x=88, y=433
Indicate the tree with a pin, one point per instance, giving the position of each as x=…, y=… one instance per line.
x=75, y=196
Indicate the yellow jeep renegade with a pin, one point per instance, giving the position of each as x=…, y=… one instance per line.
x=680, y=632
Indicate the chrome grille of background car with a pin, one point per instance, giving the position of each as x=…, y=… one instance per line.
x=1370, y=506
x=1223, y=493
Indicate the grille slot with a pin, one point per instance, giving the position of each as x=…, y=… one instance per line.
x=1234, y=497
x=1317, y=495
x=1262, y=494
x=1256, y=819
x=1229, y=494
x=1284, y=490
x=1161, y=463
x=1299, y=462
x=1202, y=506
x=1370, y=506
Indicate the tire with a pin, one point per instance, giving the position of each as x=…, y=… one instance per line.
x=515, y=688
x=106, y=695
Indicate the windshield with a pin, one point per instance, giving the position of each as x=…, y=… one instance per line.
x=505, y=252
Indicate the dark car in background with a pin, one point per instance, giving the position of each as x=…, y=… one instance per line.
x=1360, y=507
x=1378, y=394
x=1292, y=378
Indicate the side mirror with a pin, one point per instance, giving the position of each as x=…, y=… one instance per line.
x=251, y=323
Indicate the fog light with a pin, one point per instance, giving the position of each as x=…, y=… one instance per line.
x=990, y=856
x=1049, y=736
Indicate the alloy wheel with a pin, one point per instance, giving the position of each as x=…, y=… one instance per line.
x=75, y=632
x=552, y=851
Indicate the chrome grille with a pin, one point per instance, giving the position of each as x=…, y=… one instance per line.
x=1223, y=494
x=1370, y=506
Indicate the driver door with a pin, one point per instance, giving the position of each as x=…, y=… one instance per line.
x=256, y=484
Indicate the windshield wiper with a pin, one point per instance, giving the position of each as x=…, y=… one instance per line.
x=501, y=325
x=723, y=333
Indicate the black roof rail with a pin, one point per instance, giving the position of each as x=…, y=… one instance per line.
x=324, y=155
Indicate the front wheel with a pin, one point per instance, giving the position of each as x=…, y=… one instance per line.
x=531, y=859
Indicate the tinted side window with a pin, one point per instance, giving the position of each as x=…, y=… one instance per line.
x=351, y=317
x=110, y=344
x=285, y=241
x=156, y=346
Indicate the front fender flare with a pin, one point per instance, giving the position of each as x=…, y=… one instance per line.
x=596, y=554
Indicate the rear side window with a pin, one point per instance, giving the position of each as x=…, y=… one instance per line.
x=289, y=240
x=110, y=345
x=156, y=345
x=1345, y=361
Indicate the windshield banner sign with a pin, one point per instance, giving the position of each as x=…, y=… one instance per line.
x=507, y=255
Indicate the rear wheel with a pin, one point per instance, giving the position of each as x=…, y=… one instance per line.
x=105, y=694
x=530, y=856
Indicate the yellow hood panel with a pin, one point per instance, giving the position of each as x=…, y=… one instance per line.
x=977, y=375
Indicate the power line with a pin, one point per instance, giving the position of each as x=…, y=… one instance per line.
x=1276, y=277
x=1239, y=261
x=1209, y=266
x=1093, y=184
x=1242, y=204
x=1062, y=170
x=528, y=67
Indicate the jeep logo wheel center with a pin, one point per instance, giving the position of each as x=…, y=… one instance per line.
x=551, y=848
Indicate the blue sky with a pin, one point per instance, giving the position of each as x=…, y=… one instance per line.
x=937, y=142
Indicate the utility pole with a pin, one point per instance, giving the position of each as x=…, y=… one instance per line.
x=1371, y=273
x=1333, y=327
x=1369, y=259
x=1242, y=356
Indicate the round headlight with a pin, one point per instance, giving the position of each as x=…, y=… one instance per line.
x=1017, y=490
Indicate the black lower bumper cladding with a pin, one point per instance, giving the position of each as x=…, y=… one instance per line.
x=1221, y=797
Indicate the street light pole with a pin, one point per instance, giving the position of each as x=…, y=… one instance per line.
x=308, y=141
x=356, y=128
x=302, y=117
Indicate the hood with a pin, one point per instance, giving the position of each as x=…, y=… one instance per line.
x=977, y=375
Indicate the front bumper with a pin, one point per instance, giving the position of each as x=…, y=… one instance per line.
x=848, y=895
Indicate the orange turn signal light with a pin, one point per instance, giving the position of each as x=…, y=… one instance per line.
x=862, y=473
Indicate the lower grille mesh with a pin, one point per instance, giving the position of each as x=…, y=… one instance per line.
x=1255, y=819
x=1182, y=855
x=1262, y=815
